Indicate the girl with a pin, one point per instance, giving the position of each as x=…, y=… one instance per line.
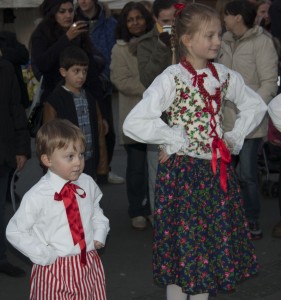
x=200, y=242
x=134, y=21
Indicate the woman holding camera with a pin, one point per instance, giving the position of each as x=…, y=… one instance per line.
x=54, y=33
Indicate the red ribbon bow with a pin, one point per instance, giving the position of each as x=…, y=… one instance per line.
x=225, y=160
x=197, y=78
x=179, y=7
x=67, y=194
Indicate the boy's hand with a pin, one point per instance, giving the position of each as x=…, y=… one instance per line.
x=98, y=245
x=163, y=156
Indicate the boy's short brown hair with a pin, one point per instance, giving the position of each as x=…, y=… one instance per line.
x=57, y=134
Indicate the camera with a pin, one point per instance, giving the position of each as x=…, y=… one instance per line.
x=167, y=28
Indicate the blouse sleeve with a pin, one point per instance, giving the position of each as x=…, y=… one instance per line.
x=144, y=123
x=251, y=110
x=274, y=110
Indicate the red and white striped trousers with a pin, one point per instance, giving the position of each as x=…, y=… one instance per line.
x=68, y=279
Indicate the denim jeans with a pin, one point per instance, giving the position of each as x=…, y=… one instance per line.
x=247, y=170
x=136, y=179
x=4, y=180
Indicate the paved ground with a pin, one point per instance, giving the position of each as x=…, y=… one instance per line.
x=127, y=256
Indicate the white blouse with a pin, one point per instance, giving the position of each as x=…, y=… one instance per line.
x=40, y=230
x=274, y=110
x=144, y=123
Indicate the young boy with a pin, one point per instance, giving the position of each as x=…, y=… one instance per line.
x=72, y=102
x=59, y=224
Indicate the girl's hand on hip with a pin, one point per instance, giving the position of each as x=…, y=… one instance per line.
x=163, y=156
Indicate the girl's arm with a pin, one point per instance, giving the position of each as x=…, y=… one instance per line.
x=144, y=123
x=251, y=111
x=274, y=110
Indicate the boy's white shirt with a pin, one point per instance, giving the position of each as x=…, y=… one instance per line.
x=40, y=230
x=274, y=110
x=144, y=123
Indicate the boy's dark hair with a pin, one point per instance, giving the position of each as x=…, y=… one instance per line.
x=122, y=31
x=73, y=55
x=244, y=8
x=159, y=5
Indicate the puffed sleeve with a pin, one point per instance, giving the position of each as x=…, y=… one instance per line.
x=251, y=111
x=144, y=123
x=274, y=110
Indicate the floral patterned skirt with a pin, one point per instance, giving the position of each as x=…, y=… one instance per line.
x=201, y=242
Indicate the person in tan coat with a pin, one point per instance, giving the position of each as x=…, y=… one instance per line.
x=134, y=21
x=249, y=50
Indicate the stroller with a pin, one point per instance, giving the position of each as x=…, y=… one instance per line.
x=269, y=162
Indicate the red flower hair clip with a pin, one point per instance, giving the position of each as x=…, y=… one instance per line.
x=179, y=7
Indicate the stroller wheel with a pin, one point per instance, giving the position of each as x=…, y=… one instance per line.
x=274, y=189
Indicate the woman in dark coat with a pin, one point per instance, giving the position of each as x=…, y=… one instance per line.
x=53, y=34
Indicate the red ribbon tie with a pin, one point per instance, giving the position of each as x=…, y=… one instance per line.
x=67, y=195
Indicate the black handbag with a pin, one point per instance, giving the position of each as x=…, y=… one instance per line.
x=35, y=115
x=35, y=119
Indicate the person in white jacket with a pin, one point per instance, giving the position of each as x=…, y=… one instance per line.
x=59, y=224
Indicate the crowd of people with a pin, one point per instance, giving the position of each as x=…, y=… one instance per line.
x=194, y=84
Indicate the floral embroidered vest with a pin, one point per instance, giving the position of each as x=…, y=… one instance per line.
x=188, y=110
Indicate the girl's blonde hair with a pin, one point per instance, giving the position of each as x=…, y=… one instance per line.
x=189, y=21
x=57, y=134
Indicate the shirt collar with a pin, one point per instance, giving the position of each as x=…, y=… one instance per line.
x=56, y=181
